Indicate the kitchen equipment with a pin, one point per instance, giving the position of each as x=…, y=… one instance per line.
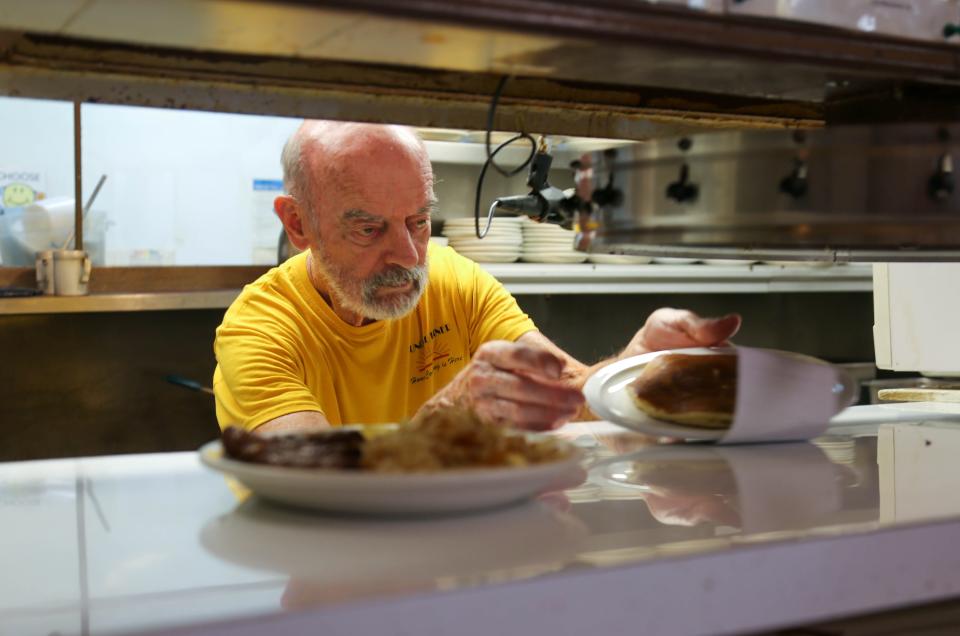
x=915, y=307
x=86, y=210
x=45, y=272
x=919, y=395
x=71, y=272
x=870, y=193
x=187, y=383
x=45, y=225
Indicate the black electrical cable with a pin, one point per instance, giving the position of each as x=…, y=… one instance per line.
x=490, y=160
x=483, y=171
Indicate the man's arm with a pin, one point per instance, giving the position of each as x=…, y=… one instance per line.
x=299, y=422
x=534, y=384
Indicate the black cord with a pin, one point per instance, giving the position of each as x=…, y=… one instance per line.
x=490, y=159
x=483, y=171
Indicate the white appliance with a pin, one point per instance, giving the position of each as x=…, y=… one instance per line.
x=916, y=308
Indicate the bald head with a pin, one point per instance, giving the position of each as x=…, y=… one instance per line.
x=329, y=154
x=360, y=199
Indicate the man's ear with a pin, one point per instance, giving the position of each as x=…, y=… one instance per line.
x=291, y=214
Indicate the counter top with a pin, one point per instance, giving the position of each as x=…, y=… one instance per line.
x=522, y=278
x=675, y=539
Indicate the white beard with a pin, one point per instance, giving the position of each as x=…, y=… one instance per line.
x=360, y=296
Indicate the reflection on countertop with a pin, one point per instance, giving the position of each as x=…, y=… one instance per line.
x=156, y=541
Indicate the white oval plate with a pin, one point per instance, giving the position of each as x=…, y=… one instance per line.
x=486, y=243
x=504, y=257
x=618, y=259
x=607, y=395
x=398, y=493
x=554, y=258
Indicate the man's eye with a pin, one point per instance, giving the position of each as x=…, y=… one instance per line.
x=421, y=223
x=367, y=231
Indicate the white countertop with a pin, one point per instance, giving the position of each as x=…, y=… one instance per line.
x=741, y=538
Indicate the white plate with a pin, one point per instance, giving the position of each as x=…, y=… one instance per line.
x=484, y=244
x=512, y=229
x=727, y=262
x=618, y=259
x=549, y=242
x=549, y=235
x=498, y=224
x=398, y=494
x=607, y=394
x=553, y=251
x=470, y=234
x=486, y=248
x=554, y=258
x=483, y=219
x=493, y=257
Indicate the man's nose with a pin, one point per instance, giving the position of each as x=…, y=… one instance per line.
x=403, y=249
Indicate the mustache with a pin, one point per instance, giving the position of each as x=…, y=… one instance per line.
x=395, y=277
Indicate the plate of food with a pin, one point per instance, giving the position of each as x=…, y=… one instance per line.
x=444, y=463
x=733, y=394
x=686, y=393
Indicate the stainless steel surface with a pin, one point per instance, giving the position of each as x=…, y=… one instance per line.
x=912, y=19
x=435, y=67
x=615, y=69
x=867, y=196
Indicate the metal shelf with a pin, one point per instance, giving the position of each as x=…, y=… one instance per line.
x=534, y=278
x=521, y=278
x=161, y=301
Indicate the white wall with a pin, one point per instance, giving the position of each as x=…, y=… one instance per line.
x=180, y=184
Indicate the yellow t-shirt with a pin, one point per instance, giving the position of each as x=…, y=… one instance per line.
x=282, y=349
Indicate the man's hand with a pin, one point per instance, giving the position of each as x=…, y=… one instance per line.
x=678, y=328
x=512, y=384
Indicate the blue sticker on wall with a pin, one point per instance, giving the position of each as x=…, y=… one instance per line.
x=268, y=184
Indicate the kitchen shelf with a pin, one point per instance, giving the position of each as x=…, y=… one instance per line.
x=585, y=278
x=521, y=278
x=93, y=303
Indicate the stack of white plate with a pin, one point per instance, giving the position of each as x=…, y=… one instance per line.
x=618, y=259
x=548, y=243
x=727, y=262
x=500, y=245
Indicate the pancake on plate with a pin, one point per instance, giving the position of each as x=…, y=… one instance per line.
x=694, y=390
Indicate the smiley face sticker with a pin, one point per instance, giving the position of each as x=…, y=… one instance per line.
x=16, y=195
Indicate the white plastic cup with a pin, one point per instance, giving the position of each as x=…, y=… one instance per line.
x=48, y=222
x=45, y=276
x=71, y=272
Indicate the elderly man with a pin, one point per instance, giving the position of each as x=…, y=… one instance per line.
x=372, y=323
